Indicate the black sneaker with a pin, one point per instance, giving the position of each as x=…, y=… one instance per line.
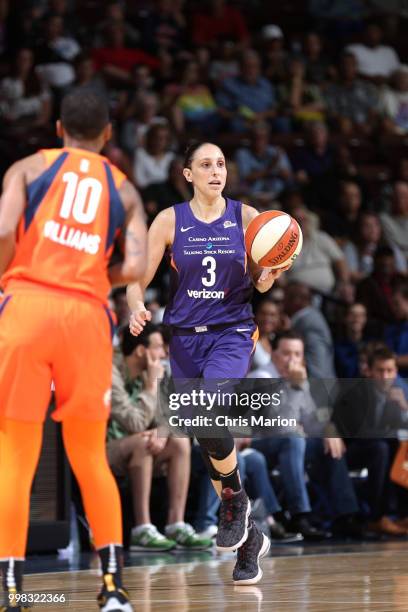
x=247, y=569
x=113, y=598
x=233, y=524
x=279, y=535
x=311, y=533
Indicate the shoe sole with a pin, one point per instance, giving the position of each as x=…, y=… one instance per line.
x=244, y=537
x=276, y=541
x=136, y=548
x=262, y=553
x=113, y=605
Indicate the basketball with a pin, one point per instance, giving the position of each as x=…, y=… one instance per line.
x=273, y=239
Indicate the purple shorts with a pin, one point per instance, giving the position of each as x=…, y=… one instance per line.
x=214, y=354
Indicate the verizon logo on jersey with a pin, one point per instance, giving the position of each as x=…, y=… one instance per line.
x=71, y=237
x=205, y=294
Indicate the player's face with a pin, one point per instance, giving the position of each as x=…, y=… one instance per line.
x=208, y=172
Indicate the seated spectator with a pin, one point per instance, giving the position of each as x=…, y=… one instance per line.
x=396, y=334
x=317, y=64
x=86, y=75
x=263, y=167
x=342, y=222
x=301, y=99
x=394, y=103
x=275, y=57
x=225, y=64
x=375, y=291
x=375, y=61
x=161, y=195
x=25, y=102
x=191, y=104
x=359, y=252
x=269, y=320
x=164, y=26
x=395, y=224
x=56, y=53
x=253, y=470
x=141, y=114
x=352, y=103
x=115, y=13
x=248, y=97
x=308, y=321
x=152, y=162
x=321, y=262
x=365, y=414
x=324, y=456
x=135, y=451
x=218, y=21
x=348, y=344
x=115, y=60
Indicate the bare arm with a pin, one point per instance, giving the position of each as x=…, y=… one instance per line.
x=262, y=278
x=12, y=204
x=160, y=236
x=135, y=238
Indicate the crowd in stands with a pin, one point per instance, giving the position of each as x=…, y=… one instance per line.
x=309, y=102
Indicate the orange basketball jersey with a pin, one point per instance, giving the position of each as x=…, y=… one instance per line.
x=73, y=214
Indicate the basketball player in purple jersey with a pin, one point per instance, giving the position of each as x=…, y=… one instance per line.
x=213, y=331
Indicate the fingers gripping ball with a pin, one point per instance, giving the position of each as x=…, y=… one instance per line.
x=273, y=239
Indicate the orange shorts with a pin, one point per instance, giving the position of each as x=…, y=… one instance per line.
x=46, y=337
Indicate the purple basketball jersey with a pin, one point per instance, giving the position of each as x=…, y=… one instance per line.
x=210, y=282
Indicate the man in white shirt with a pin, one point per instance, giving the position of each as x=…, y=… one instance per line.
x=375, y=61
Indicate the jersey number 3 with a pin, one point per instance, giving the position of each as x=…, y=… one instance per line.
x=81, y=198
x=211, y=264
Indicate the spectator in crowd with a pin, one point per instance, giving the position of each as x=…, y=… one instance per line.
x=25, y=102
x=218, y=21
x=396, y=334
x=275, y=57
x=86, y=75
x=56, y=53
x=225, y=64
x=395, y=224
x=263, y=167
x=366, y=413
x=135, y=449
x=254, y=473
x=342, y=223
x=348, y=344
x=375, y=290
x=352, y=103
x=301, y=99
x=158, y=195
x=270, y=321
x=321, y=262
x=164, y=26
x=317, y=63
x=359, y=252
x=375, y=62
x=191, y=104
x=324, y=455
x=115, y=13
x=394, y=103
x=141, y=114
x=310, y=324
x=248, y=97
x=152, y=162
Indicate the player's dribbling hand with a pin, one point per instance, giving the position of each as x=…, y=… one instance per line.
x=270, y=275
x=138, y=319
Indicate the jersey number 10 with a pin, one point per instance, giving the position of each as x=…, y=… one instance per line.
x=81, y=198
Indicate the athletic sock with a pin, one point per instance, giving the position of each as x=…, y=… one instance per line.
x=112, y=562
x=12, y=576
x=231, y=480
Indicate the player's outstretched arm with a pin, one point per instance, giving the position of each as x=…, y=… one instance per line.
x=160, y=236
x=135, y=239
x=262, y=278
x=12, y=204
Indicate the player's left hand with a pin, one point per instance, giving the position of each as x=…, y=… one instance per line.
x=269, y=275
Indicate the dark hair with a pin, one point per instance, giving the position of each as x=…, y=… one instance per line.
x=383, y=251
x=84, y=113
x=380, y=353
x=190, y=150
x=289, y=334
x=130, y=342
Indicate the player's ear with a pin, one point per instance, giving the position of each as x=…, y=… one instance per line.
x=107, y=133
x=187, y=175
x=59, y=128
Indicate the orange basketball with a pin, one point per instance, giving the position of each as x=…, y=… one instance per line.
x=273, y=239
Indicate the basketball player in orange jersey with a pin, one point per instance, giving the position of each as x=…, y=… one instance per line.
x=60, y=214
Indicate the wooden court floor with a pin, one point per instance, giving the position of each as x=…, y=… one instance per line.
x=372, y=578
